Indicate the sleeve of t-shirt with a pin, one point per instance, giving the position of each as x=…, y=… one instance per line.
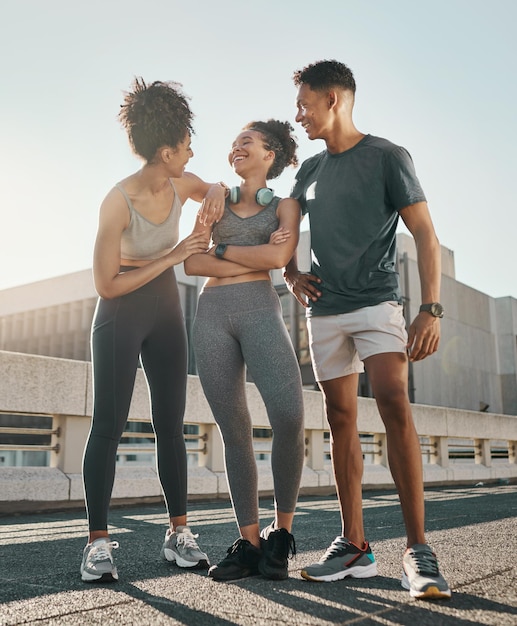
x=402, y=184
x=297, y=191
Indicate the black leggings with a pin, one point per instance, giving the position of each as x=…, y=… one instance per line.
x=146, y=324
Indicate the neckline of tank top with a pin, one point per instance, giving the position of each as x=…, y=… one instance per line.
x=132, y=208
x=249, y=216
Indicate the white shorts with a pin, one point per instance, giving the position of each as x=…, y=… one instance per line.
x=340, y=343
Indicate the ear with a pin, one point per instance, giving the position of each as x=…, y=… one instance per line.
x=270, y=155
x=165, y=154
x=331, y=99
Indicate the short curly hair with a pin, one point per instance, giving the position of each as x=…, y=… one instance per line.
x=324, y=75
x=154, y=116
x=278, y=137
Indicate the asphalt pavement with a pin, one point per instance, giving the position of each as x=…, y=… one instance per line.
x=472, y=529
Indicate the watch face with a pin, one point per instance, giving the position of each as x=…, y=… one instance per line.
x=437, y=309
x=220, y=249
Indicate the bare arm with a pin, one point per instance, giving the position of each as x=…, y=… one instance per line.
x=211, y=196
x=301, y=284
x=113, y=219
x=207, y=264
x=424, y=331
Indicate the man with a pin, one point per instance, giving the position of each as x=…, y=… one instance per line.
x=354, y=192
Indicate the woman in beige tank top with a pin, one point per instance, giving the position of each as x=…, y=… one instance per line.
x=139, y=317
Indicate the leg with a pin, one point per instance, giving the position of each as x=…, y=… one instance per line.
x=221, y=371
x=347, y=457
x=275, y=372
x=222, y=375
x=349, y=554
x=164, y=359
x=337, y=366
x=115, y=350
x=388, y=376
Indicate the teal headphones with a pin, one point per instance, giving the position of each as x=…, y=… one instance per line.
x=263, y=196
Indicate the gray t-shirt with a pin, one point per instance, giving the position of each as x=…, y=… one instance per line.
x=353, y=199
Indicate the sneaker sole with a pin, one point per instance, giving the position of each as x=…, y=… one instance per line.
x=360, y=571
x=172, y=557
x=189, y=565
x=273, y=574
x=431, y=593
x=227, y=578
x=108, y=577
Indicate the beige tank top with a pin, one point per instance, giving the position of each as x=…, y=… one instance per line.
x=144, y=240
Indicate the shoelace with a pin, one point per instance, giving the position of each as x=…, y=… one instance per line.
x=284, y=544
x=238, y=546
x=335, y=547
x=188, y=539
x=102, y=551
x=425, y=562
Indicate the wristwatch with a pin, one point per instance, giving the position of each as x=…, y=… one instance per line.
x=434, y=308
x=220, y=249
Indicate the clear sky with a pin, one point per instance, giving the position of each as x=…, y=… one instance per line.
x=438, y=77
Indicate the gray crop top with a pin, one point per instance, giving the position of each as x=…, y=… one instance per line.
x=246, y=231
x=144, y=240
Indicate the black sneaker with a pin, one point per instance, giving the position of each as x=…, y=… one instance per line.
x=276, y=546
x=241, y=561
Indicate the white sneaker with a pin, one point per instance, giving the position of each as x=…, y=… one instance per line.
x=97, y=563
x=181, y=547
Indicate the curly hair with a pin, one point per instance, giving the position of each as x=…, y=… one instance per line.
x=277, y=137
x=324, y=75
x=154, y=116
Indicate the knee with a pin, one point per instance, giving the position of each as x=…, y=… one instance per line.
x=395, y=410
x=339, y=406
x=288, y=431
x=392, y=400
x=340, y=417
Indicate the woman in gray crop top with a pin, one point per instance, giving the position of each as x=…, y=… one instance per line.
x=239, y=325
x=138, y=316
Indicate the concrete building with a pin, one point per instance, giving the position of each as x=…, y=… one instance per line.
x=475, y=368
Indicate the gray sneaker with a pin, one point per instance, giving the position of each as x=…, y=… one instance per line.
x=342, y=559
x=421, y=576
x=97, y=564
x=181, y=547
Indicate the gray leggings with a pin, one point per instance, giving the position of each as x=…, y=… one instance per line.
x=236, y=326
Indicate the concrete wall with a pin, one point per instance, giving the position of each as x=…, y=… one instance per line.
x=506, y=320
x=62, y=388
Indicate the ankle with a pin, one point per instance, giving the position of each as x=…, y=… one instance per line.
x=98, y=534
x=254, y=542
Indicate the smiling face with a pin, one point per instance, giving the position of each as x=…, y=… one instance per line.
x=179, y=156
x=248, y=152
x=314, y=112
